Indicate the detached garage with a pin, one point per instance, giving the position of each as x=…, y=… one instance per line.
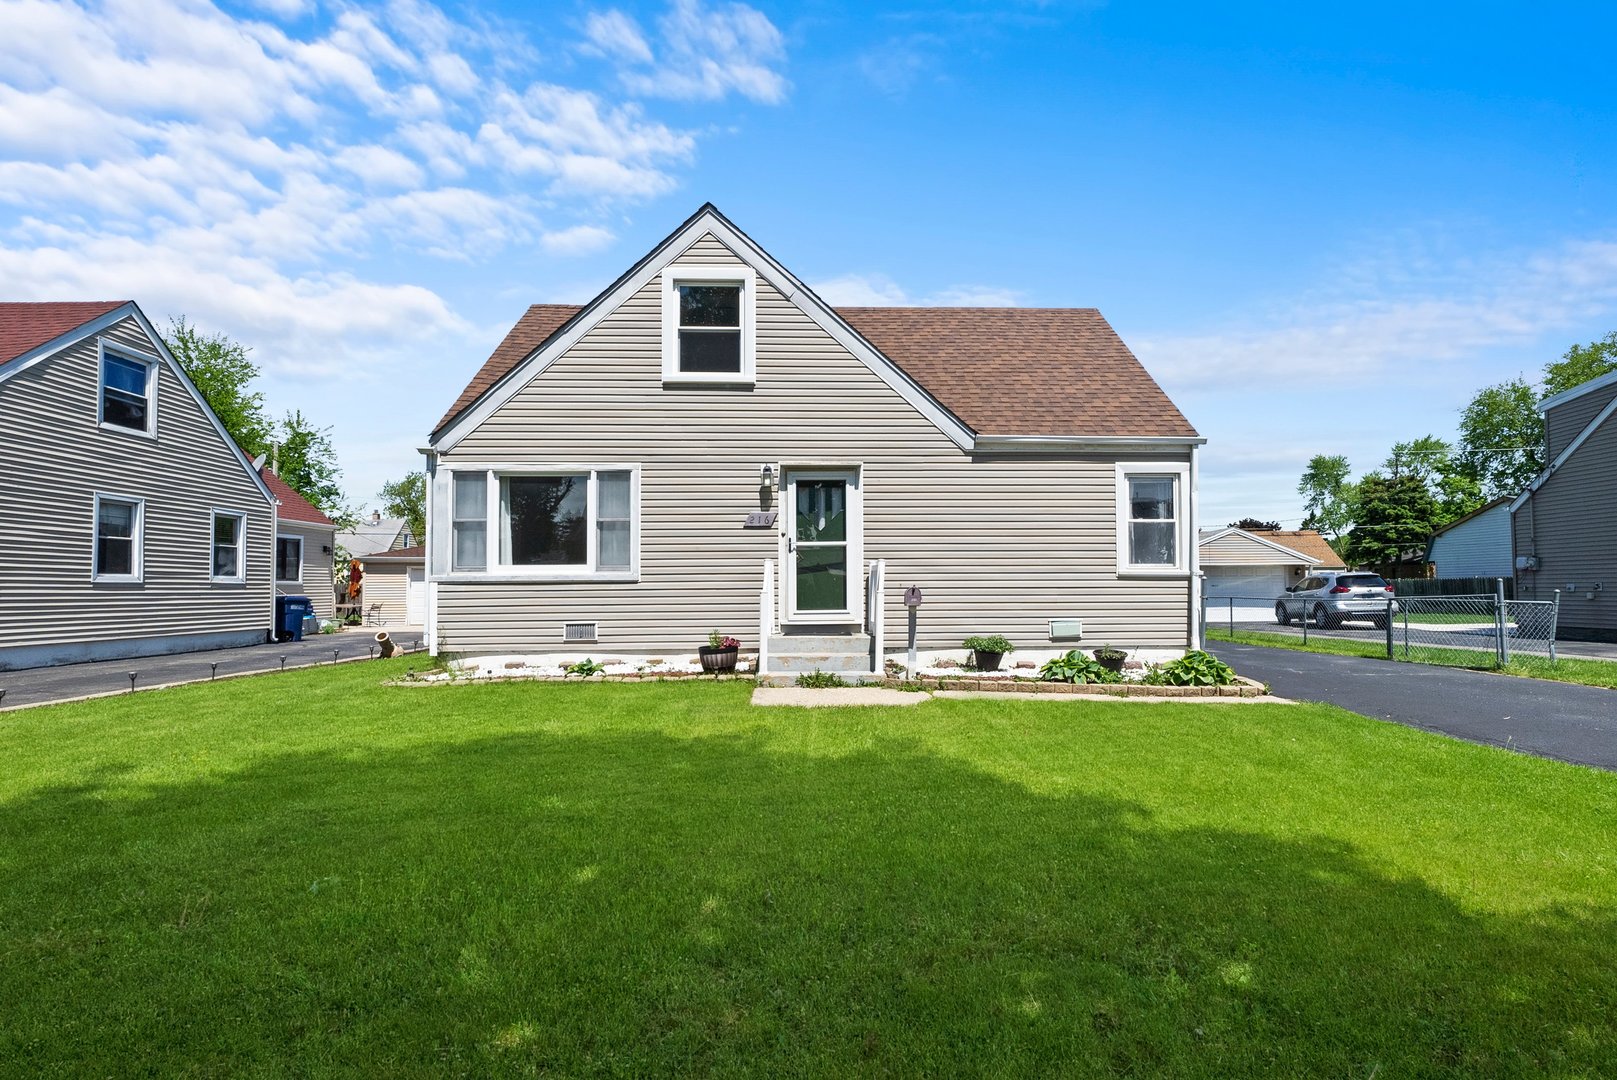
x=395, y=587
x=1261, y=565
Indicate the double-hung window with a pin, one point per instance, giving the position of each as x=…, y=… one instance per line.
x=229, y=546
x=564, y=523
x=1151, y=519
x=289, y=559
x=119, y=532
x=708, y=324
x=128, y=390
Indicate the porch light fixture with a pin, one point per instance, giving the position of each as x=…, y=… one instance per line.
x=766, y=478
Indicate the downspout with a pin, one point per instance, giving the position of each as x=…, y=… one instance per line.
x=1195, y=549
x=429, y=631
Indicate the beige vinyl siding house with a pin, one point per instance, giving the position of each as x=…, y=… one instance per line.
x=1003, y=533
x=1564, y=526
x=118, y=540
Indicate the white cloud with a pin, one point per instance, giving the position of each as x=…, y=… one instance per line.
x=578, y=240
x=704, y=52
x=613, y=33
x=1383, y=317
x=261, y=162
x=879, y=290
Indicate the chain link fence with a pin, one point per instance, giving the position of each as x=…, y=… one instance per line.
x=1478, y=631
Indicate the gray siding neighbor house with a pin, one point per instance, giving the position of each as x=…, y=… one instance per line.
x=708, y=445
x=130, y=524
x=1474, y=546
x=305, y=542
x=1564, y=526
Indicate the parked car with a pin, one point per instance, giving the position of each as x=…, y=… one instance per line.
x=1330, y=597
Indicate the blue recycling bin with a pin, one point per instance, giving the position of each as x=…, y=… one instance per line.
x=290, y=611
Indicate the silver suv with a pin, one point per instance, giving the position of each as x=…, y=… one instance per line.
x=1329, y=597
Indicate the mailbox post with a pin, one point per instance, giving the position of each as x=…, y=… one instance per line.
x=912, y=601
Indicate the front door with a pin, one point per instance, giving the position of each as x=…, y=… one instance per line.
x=824, y=581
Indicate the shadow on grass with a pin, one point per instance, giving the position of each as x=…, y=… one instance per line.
x=648, y=905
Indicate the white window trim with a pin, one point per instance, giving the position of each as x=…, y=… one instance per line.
x=1180, y=471
x=137, y=553
x=279, y=580
x=239, y=578
x=498, y=571
x=124, y=352
x=744, y=276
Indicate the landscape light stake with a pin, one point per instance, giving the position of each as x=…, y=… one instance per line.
x=215, y=666
x=283, y=663
x=132, y=675
x=333, y=656
x=371, y=650
x=2, y=695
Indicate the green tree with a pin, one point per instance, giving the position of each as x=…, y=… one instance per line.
x=1581, y=363
x=1454, y=489
x=222, y=371
x=1502, y=437
x=1249, y=524
x=1329, y=495
x=1393, y=516
x=307, y=461
x=407, y=499
x=1501, y=431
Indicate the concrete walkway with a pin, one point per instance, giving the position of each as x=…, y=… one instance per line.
x=66, y=682
x=1570, y=723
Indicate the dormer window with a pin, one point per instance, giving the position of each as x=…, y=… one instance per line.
x=708, y=324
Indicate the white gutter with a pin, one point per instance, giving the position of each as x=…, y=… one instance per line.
x=1099, y=443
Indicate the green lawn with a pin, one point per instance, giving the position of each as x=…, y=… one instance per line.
x=307, y=874
x=1602, y=673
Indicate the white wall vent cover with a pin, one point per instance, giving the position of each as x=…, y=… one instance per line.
x=1066, y=629
x=580, y=631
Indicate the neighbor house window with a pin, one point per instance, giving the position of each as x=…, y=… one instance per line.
x=289, y=558
x=708, y=324
x=119, y=525
x=577, y=522
x=126, y=391
x=469, y=521
x=1152, y=534
x=229, y=540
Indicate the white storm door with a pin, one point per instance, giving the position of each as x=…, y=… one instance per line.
x=825, y=580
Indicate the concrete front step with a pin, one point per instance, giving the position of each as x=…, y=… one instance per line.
x=851, y=678
x=820, y=643
x=803, y=662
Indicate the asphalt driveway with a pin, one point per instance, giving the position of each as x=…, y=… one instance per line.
x=1550, y=719
x=35, y=686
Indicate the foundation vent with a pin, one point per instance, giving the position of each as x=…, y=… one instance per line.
x=579, y=631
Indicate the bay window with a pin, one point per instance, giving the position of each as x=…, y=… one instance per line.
x=563, y=523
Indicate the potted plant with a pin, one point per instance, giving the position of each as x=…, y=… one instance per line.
x=719, y=654
x=987, y=650
x=1110, y=657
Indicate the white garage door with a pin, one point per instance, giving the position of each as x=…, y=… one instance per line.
x=1246, y=581
x=415, y=596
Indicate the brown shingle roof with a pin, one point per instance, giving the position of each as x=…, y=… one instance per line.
x=1024, y=371
x=535, y=327
x=26, y=326
x=1305, y=542
x=1002, y=371
x=408, y=554
x=294, y=507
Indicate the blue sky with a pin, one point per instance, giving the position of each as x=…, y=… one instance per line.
x=1322, y=230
